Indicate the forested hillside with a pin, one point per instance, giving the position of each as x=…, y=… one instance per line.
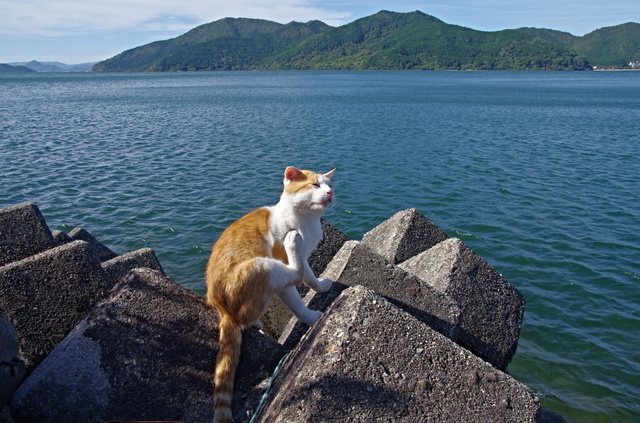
x=386, y=40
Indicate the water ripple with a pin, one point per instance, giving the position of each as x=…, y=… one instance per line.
x=536, y=172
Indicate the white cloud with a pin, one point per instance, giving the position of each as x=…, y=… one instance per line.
x=64, y=17
x=68, y=17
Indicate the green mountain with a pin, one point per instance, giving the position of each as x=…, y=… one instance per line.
x=415, y=40
x=386, y=40
x=563, y=38
x=614, y=46
x=227, y=44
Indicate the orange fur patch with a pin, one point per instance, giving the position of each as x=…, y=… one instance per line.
x=237, y=282
x=303, y=182
x=279, y=253
x=236, y=286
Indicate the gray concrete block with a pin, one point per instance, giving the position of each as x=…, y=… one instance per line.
x=403, y=235
x=61, y=237
x=9, y=344
x=356, y=264
x=46, y=295
x=365, y=267
x=5, y=416
x=118, y=267
x=23, y=233
x=492, y=308
x=11, y=367
x=331, y=242
x=366, y=360
x=100, y=250
x=11, y=374
x=147, y=352
x=294, y=330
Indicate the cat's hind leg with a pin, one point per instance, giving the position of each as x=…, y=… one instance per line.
x=283, y=275
x=292, y=246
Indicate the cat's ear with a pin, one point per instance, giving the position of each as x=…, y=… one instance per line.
x=329, y=174
x=291, y=174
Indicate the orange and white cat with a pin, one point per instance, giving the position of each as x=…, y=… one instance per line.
x=264, y=254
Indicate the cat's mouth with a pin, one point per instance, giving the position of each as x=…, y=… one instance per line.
x=325, y=203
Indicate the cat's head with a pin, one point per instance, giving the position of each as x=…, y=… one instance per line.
x=308, y=191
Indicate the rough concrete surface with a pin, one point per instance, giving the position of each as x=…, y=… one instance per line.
x=147, y=352
x=366, y=360
x=100, y=250
x=294, y=330
x=61, y=237
x=11, y=367
x=46, y=295
x=356, y=264
x=5, y=415
x=403, y=235
x=118, y=267
x=365, y=267
x=9, y=344
x=492, y=308
x=23, y=233
x=331, y=242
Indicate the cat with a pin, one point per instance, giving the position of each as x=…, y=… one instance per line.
x=263, y=254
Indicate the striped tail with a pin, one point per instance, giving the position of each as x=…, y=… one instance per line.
x=226, y=364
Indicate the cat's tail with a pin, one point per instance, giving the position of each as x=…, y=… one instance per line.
x=226, y=364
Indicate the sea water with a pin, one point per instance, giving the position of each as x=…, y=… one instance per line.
x=538, y=172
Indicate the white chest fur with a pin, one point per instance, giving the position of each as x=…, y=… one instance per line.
x=283, y=221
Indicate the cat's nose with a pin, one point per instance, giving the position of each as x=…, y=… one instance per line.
x=329, y=191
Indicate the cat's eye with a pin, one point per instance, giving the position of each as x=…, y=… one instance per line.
x=316, y=185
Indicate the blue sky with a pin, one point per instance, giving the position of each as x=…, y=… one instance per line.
x=79, y=31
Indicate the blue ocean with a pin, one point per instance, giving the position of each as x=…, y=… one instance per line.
x=538, y=172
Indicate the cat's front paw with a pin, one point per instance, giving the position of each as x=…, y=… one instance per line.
x=291, y=240
x=291, y=243
x=312, y=316
x=324, y=285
